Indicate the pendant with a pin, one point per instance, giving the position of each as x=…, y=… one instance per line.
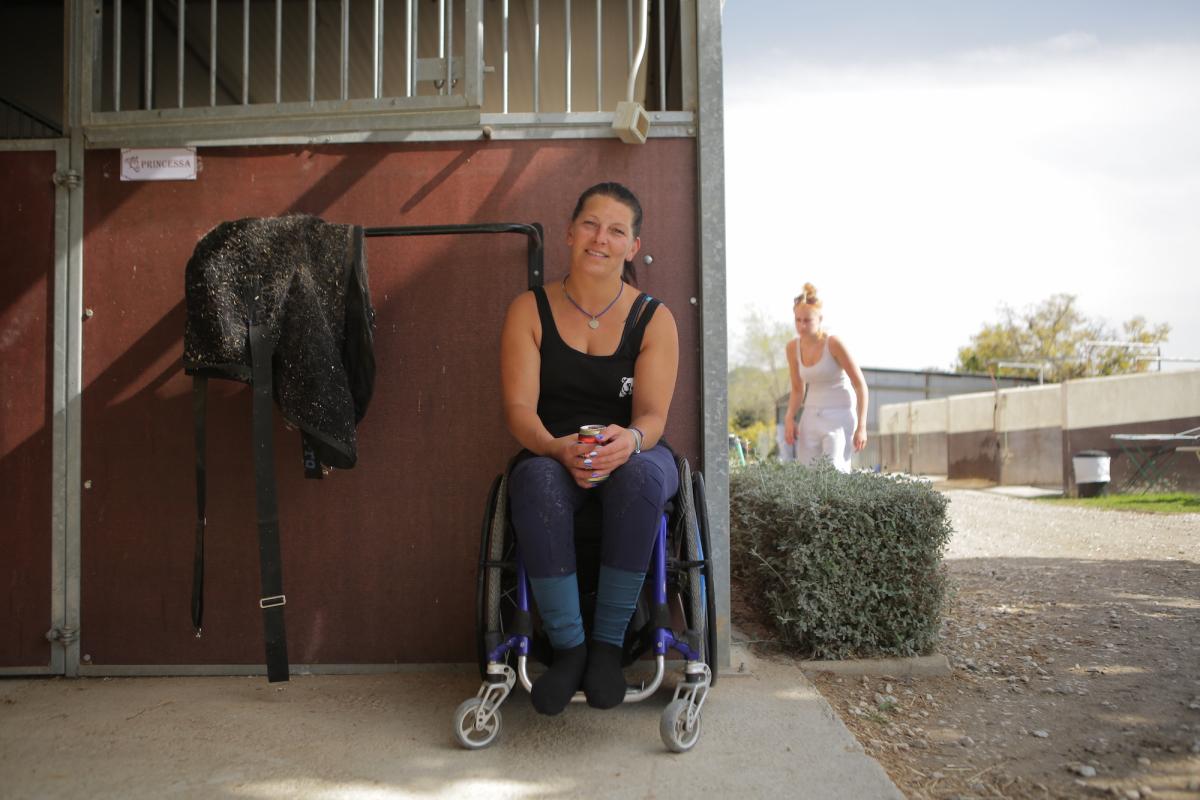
x=593, y=323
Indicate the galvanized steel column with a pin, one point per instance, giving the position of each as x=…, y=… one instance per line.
x=710, y=163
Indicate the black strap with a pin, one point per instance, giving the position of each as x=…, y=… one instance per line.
x=199, y=414
x=269, y=564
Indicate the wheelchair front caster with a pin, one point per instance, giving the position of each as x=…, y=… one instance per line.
x=474, y=729
x=679, y=726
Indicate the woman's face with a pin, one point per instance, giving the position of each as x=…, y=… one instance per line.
x=601, y=237
x=808, y=320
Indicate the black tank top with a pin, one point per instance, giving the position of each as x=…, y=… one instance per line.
x=581, y=389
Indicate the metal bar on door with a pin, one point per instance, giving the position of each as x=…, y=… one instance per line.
x=537, y=55
x=599, y=57
x=149, y=54
x=312, y=51
x=278, y=51
x=117, y=55
x=377, y=61
x=245, y=52
x=504, y=57
x=212, y=52
x=662, y=55
x=345, y=66
x=409, y=55
x=181, y=26
x=449, y=46
x=567, y=54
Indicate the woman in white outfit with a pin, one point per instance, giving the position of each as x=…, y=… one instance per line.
x=834, y=422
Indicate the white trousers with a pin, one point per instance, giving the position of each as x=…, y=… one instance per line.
x=827, y=432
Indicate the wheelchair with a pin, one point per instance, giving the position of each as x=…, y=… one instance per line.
x=675, y=610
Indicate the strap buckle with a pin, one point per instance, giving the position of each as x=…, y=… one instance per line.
x=273, y=602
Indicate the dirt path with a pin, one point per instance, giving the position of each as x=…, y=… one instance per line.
x=1075, y=641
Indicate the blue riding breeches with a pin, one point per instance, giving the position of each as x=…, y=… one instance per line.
x=544, y=500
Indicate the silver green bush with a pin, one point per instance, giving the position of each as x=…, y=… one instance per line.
x=844, y=566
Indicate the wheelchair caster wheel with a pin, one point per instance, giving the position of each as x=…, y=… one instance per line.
x=673, y=727
x=467, y=730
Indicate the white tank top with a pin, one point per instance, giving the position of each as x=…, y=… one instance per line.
x=828, y=384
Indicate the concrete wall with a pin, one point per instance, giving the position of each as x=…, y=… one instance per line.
x=1026, y=435
x=1160, y=403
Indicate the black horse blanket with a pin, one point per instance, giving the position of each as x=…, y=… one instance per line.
x=282, y=304
x=305, y=281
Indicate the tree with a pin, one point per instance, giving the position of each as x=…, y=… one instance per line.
x=1055, y=333
x=759, y=375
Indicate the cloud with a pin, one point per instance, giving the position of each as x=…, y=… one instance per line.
x=919, y=197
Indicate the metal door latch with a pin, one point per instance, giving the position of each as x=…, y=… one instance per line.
x=64, y=636
x=67, y=178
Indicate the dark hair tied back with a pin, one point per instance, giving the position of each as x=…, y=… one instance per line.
x=622, y=195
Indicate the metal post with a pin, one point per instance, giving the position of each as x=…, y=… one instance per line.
x=710, y=162
x=149, y=54
x=473, y=52
x=67, y=510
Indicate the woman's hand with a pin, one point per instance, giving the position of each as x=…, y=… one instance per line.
x=612, y=449
x=860, y=438
x=577, y=457
x=789, y=430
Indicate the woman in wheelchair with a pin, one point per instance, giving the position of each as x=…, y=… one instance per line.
x=591, y=350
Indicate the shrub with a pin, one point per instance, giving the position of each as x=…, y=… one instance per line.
x=844, y=566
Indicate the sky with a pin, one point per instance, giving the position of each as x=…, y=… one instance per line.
x=923, y=163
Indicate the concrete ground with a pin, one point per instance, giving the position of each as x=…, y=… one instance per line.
x=767, y=733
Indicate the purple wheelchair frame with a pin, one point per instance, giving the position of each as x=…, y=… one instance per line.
x=664, y=638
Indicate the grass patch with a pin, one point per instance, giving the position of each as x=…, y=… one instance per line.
x=1170, y=503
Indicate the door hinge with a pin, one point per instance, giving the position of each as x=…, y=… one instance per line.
x=67, y=178
x=64, y=636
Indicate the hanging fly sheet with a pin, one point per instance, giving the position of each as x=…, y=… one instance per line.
x=283, y=304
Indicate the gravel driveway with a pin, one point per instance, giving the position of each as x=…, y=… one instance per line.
x=1074, y=635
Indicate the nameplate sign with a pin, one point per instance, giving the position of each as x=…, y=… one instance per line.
x=158, y=164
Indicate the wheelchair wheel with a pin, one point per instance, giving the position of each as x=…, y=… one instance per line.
x=495, y=588
x=465, y=730
x=672, y=727
x=707, y=589
x=694, y=580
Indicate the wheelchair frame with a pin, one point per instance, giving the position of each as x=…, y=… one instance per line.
x=477, y=721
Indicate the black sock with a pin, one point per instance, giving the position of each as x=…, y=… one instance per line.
x=604, y=682
x=553, y=690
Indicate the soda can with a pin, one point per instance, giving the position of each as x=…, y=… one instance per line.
x=588, y=435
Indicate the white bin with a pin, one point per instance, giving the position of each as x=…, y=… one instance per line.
x=1091, y=472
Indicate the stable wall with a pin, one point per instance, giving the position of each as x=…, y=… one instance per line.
x=26, y=405
x=379, y=561
x=1027, y=435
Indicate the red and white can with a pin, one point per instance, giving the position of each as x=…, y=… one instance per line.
x=588, y=434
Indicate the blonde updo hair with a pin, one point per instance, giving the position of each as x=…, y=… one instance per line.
x=808, y=297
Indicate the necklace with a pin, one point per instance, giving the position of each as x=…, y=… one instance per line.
x=593, y=319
